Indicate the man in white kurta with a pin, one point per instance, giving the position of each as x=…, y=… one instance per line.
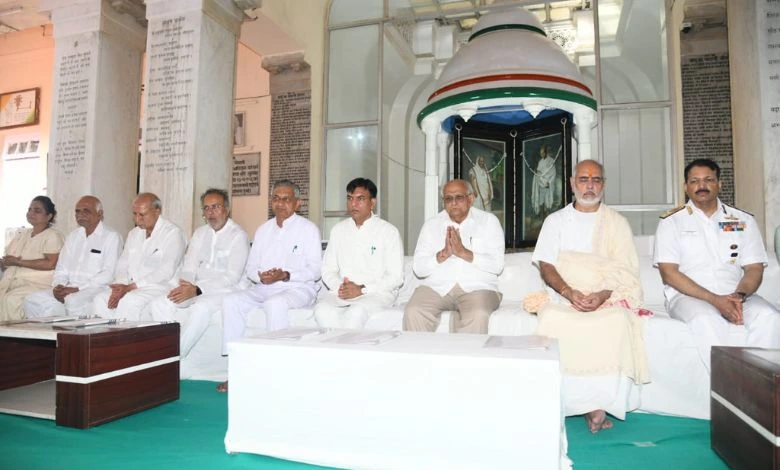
x=587, y=258
x=711, y=259
x=363, y=263
x=283, y=267
x=459, y=256
x=151, y=256
x=85, y=266
x=482, y=185
x=212, y=268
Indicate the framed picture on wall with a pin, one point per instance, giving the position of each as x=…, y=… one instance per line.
x=19, y=108
x=239, y=129
x=544, y=173
x=483, y=164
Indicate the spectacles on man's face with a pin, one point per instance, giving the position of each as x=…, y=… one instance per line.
x=450, y=198
x=593, y=179
x=212, y=207
x=282, y=199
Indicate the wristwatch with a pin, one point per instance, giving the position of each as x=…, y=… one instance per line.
x=363, y=290
x=286, y=276
x=743, y=295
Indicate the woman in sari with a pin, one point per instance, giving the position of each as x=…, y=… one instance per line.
x=30, y=259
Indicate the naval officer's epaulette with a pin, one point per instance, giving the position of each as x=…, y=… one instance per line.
x=672, y=211
x=737, y=208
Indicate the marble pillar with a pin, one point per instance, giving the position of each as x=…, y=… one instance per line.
x=290, y=152
x=754, y=54
x=95, y=106
x=188, y=114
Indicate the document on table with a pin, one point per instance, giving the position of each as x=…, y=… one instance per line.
x=293, y=334
x=54, y=319
x=518, y=342
x=364, y=337
x=79, y=324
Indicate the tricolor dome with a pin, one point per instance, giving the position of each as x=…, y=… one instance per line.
x=509, y=61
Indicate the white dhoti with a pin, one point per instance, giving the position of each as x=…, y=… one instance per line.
x=43, y=304
x=332, y=312
x=133, y=306
x=275, y=302
x=709, y=328
x=193, y=316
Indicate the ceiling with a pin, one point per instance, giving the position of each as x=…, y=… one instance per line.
x=16, y=15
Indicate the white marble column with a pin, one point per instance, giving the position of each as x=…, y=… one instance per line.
x=95, y=106
x=188, y=116
x=754, y=55
x=431, y=129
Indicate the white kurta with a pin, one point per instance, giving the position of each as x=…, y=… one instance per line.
x=214, y=262
x=86, y=262
x=295, y=247
x=481, y=233
x=150, y=263
x=711, y=251
x=543, y=186
x=370, y=255
x=568, y=229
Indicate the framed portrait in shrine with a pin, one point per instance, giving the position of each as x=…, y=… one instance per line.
x=519, y=172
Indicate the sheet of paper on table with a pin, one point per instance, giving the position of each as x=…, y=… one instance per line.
x=518, y=342
x=364, y=337
x=293, y=334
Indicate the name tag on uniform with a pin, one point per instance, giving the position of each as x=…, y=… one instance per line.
x=93, y=250
x=732, y=226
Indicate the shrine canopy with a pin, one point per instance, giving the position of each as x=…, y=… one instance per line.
x=509, y=72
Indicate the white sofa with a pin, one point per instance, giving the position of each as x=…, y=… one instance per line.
x=679, y=381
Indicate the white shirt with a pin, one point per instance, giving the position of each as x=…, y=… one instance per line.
x=294, y=247
x=481, y=233
x=566, y=229
x=371, y=255
x=88, y=261
x=215, y=261
x=709, y=250
x=153, y=260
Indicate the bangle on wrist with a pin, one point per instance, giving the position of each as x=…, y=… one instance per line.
x=564, y=290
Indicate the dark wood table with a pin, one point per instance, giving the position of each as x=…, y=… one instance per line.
x=100, y=373
x=744, y=405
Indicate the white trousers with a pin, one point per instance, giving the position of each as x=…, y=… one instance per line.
x=332, y=312
x=275, y=302
x=709, y=328
x=43, y=304
x=133, y=306
x=192, y=315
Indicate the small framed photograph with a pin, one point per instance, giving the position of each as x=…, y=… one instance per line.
x=19, y=108
x=239, y=129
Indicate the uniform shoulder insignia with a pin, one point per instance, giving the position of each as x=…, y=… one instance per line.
x=672, y=211
x=742, y=210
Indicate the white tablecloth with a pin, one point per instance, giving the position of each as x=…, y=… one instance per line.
x=419, y=400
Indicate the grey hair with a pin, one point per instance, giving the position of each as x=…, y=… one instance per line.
x=155, y=203
x=285, y=183
x=469, y=188
x=218, y=192
x=599, y=165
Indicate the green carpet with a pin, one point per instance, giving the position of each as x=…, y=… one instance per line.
x=189, y=434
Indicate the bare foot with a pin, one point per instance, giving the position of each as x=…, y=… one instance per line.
x=597, y=420
x=223, y=387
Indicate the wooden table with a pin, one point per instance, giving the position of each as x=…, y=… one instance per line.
x=745, y=403
x=90, y=376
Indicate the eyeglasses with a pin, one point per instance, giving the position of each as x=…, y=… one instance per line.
x=213, y=207
x=285, y=199
x=455, y=198
x=594, y=180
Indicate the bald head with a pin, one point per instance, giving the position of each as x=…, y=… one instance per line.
x=588, y=185
x=146, y=210
x=89, y=213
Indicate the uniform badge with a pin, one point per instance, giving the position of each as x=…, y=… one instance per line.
x=735, y=226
